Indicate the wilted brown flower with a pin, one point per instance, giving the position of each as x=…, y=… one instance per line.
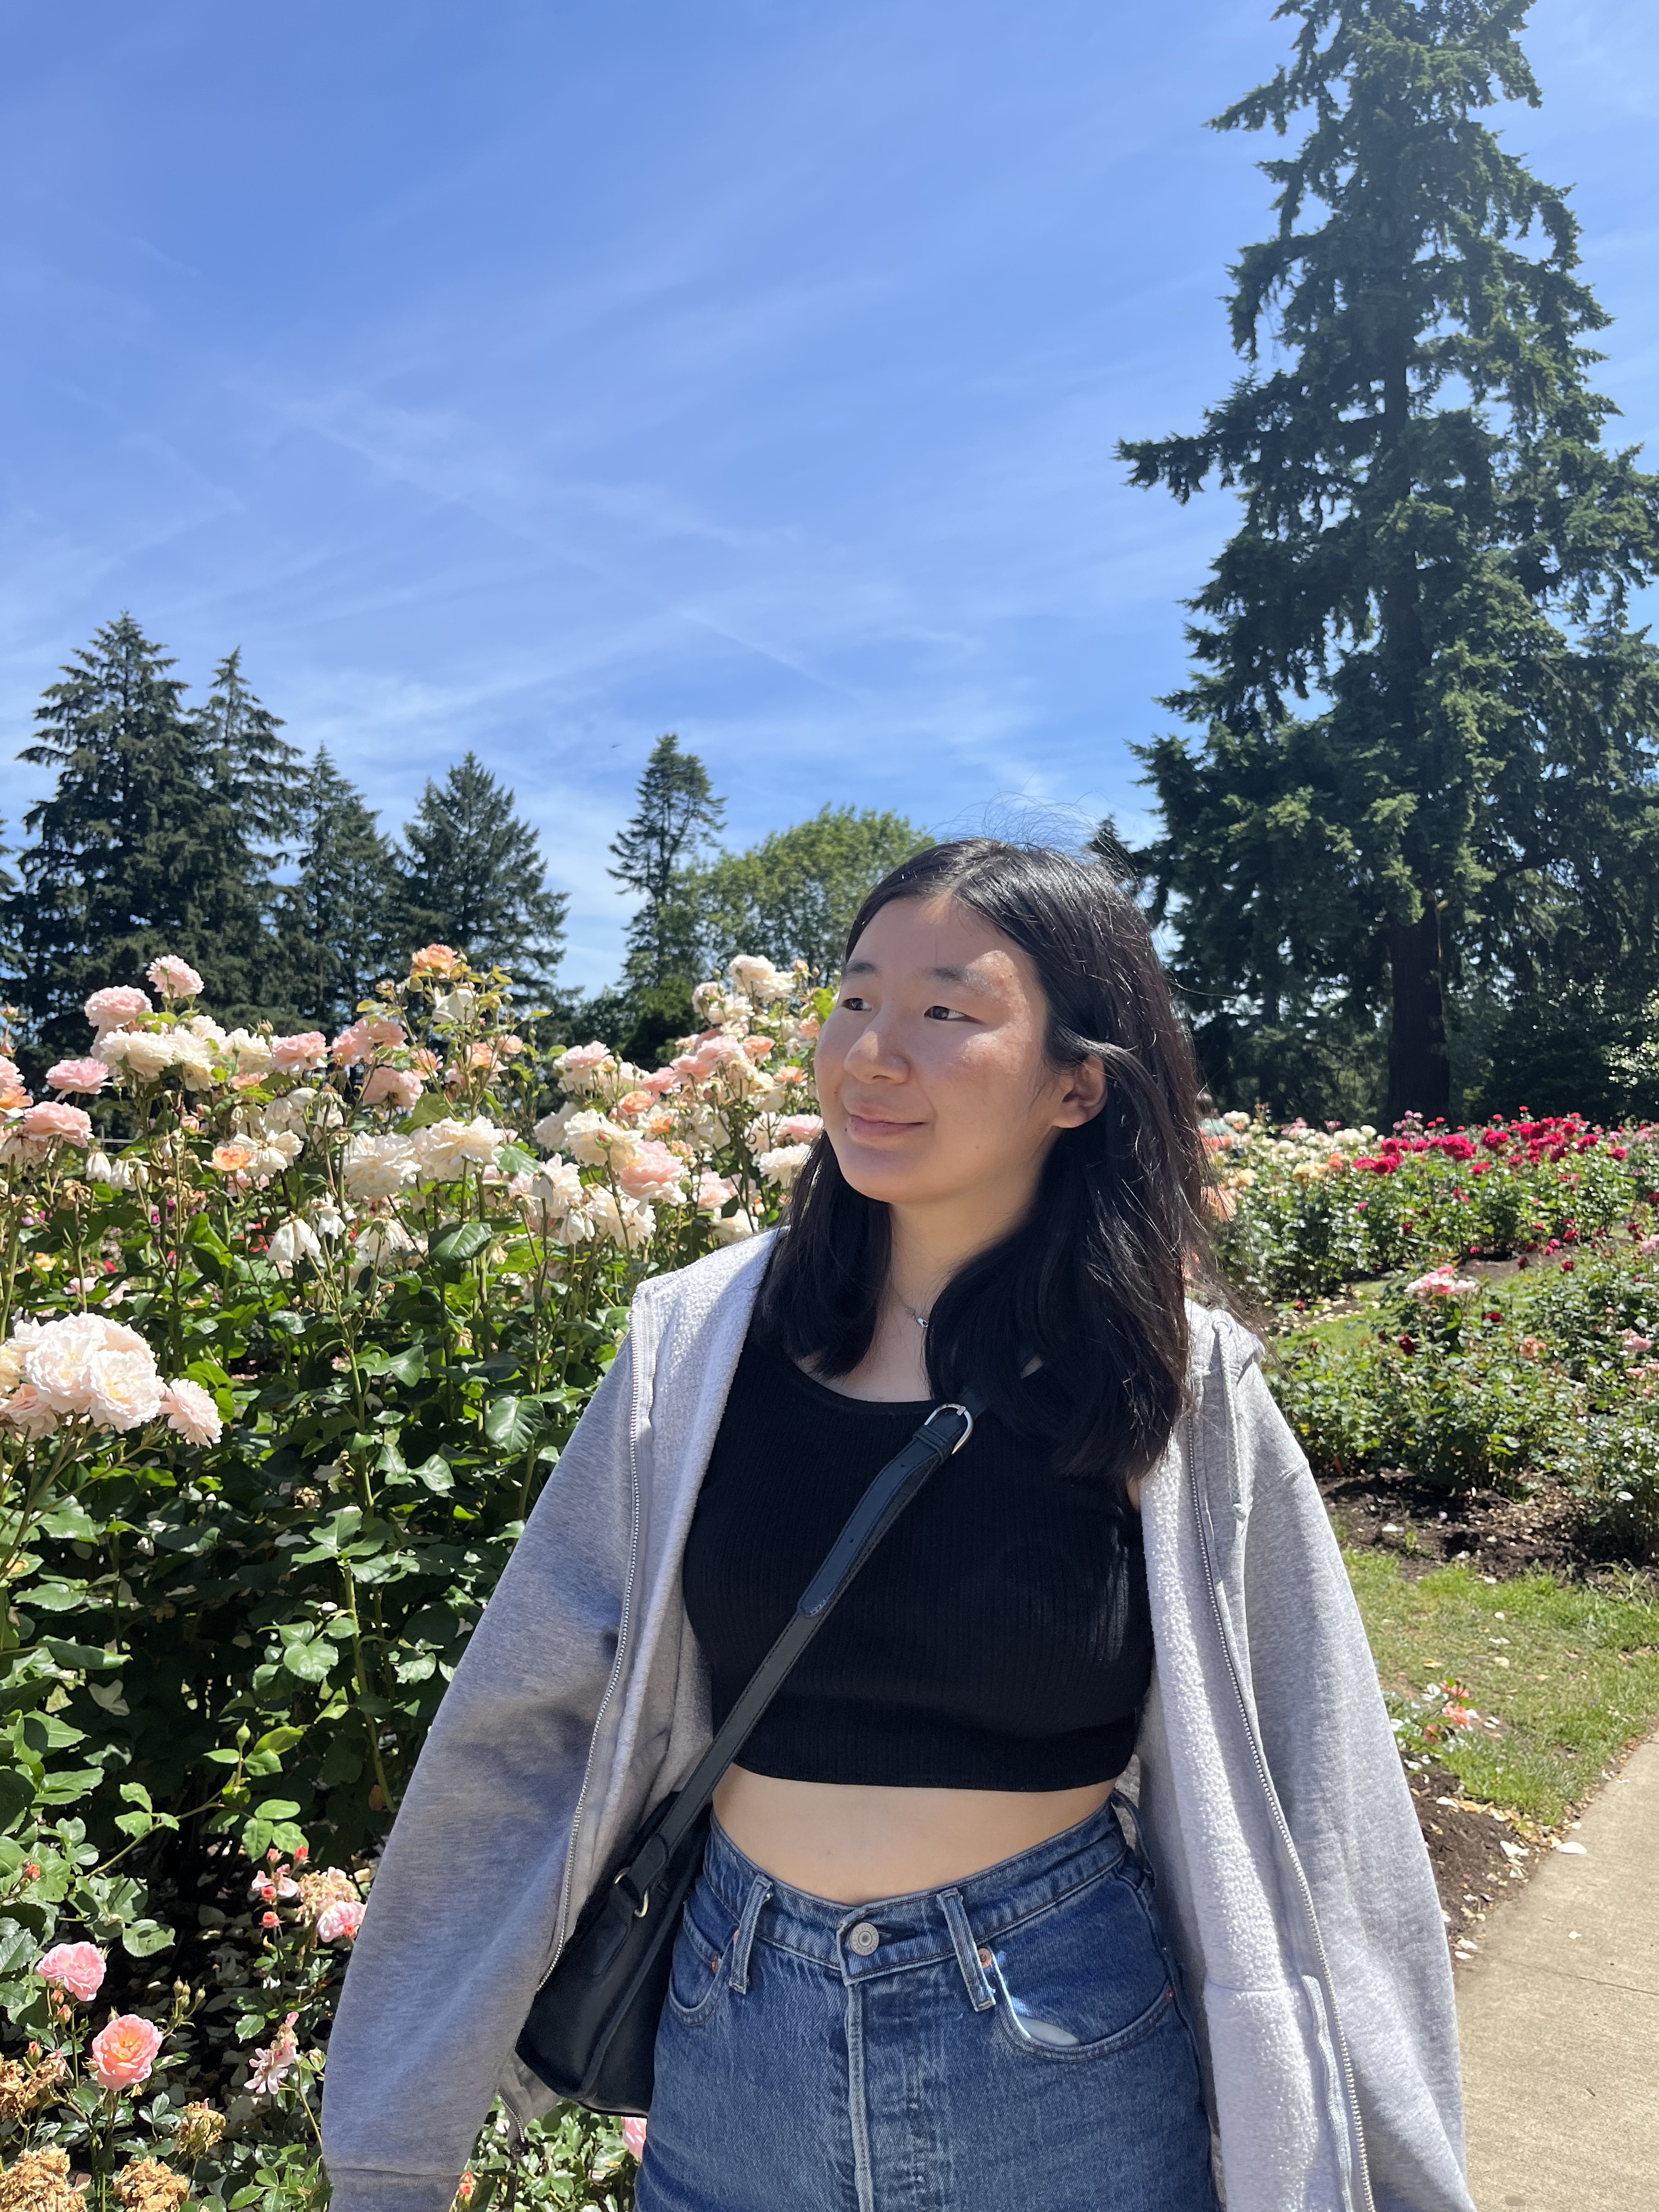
x=199, y=2128
x=149, y=2185
x=329, y=1885
x=38, y=2182
x=23, y=2092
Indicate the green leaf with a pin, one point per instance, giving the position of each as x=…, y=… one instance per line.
x=71, y=1524
x=144, y=1938
x=17, y=1795
x=435, y=1107
x=510, y=1424
x=513, y=1159
x=408, y=1366
x=53, y=1597
x=458, y=1245
x=279, y=1740
x=81, y=1656
x=434, y=1473
x=312, y=1661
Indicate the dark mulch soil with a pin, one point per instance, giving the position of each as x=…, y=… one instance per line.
x=1471, y=1869
x=1424, y=1528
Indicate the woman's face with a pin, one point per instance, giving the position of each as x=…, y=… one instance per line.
x=930, y=1072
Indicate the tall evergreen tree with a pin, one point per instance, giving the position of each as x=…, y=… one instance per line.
x=1435, y=553
x=676, y=814
x=333, y=940
x=132, y=853
x=471, y=872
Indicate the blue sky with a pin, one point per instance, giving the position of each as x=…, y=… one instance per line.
x=537, y=376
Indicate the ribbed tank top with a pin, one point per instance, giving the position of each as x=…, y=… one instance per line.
x=1000, y=1638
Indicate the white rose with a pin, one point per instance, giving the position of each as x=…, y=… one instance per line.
x=379, y=1167
x=194, y=1058
x=126, y=1388
x=454, y=1007
x=70, y=1363
x=445, y=1150
x=593, y=1138
x=252, y=1053
x=548, y=1132
x=292, y=1241
x=631, y=1225
x=12, y=1351
x=576, y=1227
x=384, y=1244
x=148, y=1052
x=782, y=1166
x=731, y=1228
x=202, y=1025
x=550, y=1194
x=326, y=1216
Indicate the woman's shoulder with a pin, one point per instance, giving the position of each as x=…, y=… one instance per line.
x=1220, y=1343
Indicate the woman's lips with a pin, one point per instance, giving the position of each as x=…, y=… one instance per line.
x=870, y=1127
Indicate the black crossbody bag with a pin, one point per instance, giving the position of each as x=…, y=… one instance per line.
x=591, y=2032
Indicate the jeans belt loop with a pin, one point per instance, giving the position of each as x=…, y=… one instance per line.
x=983, y=1996
x=743, y=1942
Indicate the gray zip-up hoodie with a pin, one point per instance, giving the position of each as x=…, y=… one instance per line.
x=1270, y=1796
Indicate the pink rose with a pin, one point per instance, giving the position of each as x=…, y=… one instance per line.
x=192, y=1413
x=353, y=1044
x=77, y=1967
x=123, y=2052
x=392, y=1086
x=434, y=960
x=297, y=1054
x=114, y=1008
x=799, y=1129
x=633, y=2133
x=85, y=1075
x=271, y=2062
x=55, y=1123
x=343, y=1917
x=174, y=978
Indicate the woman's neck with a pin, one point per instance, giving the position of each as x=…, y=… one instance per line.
x=929, y=1244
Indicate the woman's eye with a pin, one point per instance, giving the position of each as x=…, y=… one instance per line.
x=854, y=1005
x=943, y=1014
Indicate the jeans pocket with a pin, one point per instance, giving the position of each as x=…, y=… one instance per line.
x=1082, y=1980
x=698, y=1972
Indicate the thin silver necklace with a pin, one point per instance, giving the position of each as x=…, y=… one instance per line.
x=921, y=1320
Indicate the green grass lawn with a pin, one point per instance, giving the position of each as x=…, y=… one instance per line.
x=1572, y=1673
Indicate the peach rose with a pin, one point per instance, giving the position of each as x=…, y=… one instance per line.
x=434, y=960
x=113, y=1009
x=295, y=1054
x=123, y=2052
x=392, y=1086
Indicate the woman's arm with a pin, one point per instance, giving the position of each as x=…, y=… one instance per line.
x=1337, y=1772
x=461, y=1914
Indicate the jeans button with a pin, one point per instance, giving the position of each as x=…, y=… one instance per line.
x=864, y=1939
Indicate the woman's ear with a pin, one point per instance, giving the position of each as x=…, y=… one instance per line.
x=1084, y=1094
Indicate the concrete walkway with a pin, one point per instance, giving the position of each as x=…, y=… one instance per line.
x=1560, y=2021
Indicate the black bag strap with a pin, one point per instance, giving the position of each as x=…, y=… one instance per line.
x=945, y=1432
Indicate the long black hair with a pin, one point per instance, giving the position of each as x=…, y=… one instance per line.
x=1093, y=1282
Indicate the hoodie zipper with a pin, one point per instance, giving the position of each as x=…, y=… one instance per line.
x=622, y=1627
x=1292, y=1856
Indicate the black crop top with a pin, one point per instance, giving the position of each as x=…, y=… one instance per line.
x=1000, y=1638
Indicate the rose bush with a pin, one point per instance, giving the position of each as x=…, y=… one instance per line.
x=291, y=1331
x=1300, y=1211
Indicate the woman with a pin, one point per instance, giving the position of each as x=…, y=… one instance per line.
x=926, y=1963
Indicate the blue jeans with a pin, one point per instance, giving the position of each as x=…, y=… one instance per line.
x=1013, y=2043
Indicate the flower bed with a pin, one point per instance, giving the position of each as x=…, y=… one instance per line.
x=1300, y=1211
x=291, y=1332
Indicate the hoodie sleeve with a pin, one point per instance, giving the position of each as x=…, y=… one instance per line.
x=1336, y=1771
x=461, y=1915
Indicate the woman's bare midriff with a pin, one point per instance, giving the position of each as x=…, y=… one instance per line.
x=855, y=1843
